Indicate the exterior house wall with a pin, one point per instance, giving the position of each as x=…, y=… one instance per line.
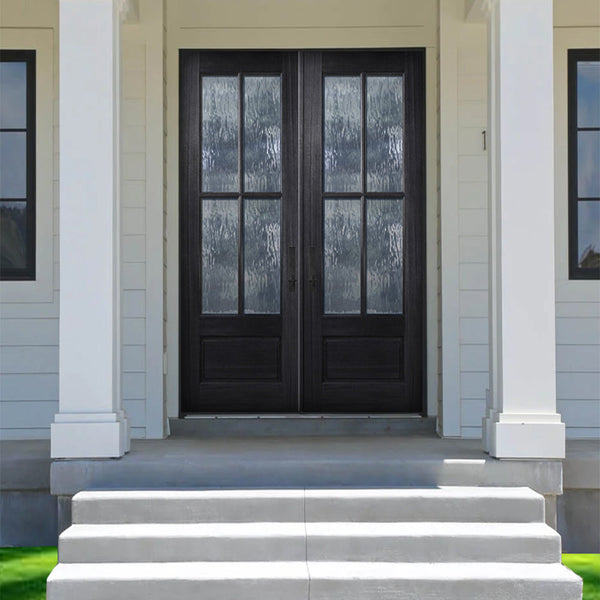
x=577, y=302
x=321, y=24
x=29, y=317
x=29, y=310
x=457, y=281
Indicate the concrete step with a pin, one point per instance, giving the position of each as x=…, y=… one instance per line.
x=181, y=580
x=328, y=580
x=401, y=542
x=172, y=542
x=450, y=581
x=444, y=504
x=187, y=506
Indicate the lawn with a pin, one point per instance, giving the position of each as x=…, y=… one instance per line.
x=23, y=572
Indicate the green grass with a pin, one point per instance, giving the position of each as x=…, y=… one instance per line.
x=587, y=566
x=23, y=572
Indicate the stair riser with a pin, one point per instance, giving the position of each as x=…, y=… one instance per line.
x=437, y=590
x=182, y=510
x=248, y=589
x=372, y=589
x=339, y=548
x=377, y=509
x=317, y=509
x=108, y=550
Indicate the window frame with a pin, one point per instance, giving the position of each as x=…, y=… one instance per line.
x=575, y=271
x=28, y=273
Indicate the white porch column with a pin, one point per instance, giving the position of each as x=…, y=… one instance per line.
x=91, y=422
x=522, y=421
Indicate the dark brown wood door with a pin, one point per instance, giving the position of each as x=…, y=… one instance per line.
x=363, y=199
x=308, y=163
x=238, y=231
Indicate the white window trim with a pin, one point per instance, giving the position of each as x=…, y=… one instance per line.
x=41, y=289
x=565, y=39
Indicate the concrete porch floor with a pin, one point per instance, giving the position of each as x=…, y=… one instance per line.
x=185, y=460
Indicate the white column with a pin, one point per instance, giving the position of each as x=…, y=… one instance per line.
x=522, y=421
x=90, y=422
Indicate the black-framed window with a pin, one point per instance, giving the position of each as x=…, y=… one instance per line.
x=584, y=164
x=17, y=164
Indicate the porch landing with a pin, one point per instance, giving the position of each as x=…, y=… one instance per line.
x=271, y=461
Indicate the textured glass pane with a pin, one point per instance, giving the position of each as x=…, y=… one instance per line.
x=13, y=235
x=13, y=164
x=219, y=256
x=341, y=230
x=588, y=94
x=588, y=164
x=262, y=134
x=13, y=95
x=220, y=98
x=384, y=256
x=384, y=134
x=588, y=234
x=341, y=134
x=262, y=256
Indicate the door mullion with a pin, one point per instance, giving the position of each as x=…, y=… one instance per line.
x=241, y=195
x=363, y=200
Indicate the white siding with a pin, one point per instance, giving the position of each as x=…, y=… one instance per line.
x=577, y=302
x=29, y=327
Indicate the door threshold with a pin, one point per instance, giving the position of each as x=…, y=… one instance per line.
x=303, y=416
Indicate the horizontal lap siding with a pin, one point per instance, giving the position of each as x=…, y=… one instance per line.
x=133, y=233
x=473, y=228
x=29, y=330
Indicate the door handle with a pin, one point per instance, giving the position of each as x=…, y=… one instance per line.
x=291, y=268
x=313, y=264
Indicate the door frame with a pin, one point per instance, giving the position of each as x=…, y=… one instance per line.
x=302, y=260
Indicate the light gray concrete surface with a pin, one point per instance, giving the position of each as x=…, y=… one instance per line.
x=28, y=515
x=578, y=509
x=303, y=461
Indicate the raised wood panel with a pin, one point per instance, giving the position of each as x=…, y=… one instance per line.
x=133, y=249
x=363, y=358
x=578, y=310
x=472, y=168
x=472, y=222
x=28, y=332
x=241, y=358
x=574, y=13
x=473, y=113
x=133, y=276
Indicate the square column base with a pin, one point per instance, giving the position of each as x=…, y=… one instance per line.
x=524, y=438
x=84, y=435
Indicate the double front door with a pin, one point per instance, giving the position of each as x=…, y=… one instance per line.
x=302, y=202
